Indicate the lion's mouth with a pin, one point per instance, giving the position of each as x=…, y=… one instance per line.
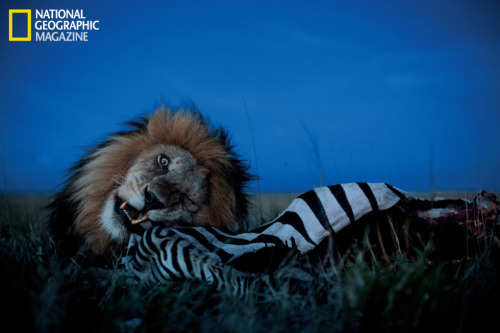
x=133, y=214
x=155, y=212
x=128, y=213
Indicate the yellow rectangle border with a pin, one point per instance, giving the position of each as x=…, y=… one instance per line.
x=19, y=39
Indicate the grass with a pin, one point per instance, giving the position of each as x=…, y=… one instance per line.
x=39, y=295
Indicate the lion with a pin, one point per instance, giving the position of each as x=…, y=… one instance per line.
x=171, y=168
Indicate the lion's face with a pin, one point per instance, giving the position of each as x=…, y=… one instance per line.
x=165, y=184
x=171, y=168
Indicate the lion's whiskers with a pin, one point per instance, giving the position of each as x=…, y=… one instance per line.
x=120, y=179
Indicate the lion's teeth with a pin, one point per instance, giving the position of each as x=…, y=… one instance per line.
x=126, y=213
x=143, y=219
x=123, y=207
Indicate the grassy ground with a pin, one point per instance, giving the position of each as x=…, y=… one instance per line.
x=37, y=294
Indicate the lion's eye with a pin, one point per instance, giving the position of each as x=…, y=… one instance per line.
x=162, y=161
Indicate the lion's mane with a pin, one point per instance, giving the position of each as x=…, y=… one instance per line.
x=74, y=212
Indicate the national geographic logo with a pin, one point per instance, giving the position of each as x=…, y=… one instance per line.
x=50, y=25
x=19, y=22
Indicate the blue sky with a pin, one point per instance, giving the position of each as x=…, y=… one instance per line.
x=372, y=91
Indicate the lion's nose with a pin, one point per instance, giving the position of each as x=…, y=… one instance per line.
x=148, y=195
x=150, y=200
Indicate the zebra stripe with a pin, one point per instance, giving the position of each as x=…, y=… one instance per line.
x=369, y=195
x=163, y=255
x=340, y=195
x=312, y=199
x=205, y=253
x=396, y=191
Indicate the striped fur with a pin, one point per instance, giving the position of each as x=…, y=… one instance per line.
x=223, y=259
x=206, y=253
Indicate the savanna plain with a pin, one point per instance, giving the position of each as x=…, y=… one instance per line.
x=353, y=294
